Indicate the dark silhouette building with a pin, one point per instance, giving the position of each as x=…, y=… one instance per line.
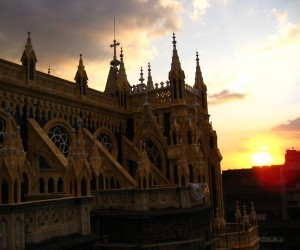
x=275, y=191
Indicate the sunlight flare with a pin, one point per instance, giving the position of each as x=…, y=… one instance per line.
x=261, y=159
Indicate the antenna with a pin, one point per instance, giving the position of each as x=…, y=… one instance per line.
x=114, y=28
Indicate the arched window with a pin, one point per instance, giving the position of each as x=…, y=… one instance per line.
x=176, y=180
x=71, y=187
x=153, y=154
x=191, y=173
x=60, y=185
x=101, y=181
x=112, y=183
x=144, y=183
x=182, y=180
x=83, y=187
x=93, y=182
x=106, y=182
x=31, y=69
x=24, y=187
x=4, y=192
x=15, y=191
x=50, y=185
x=42, y=186
x=75, y=187
x=2, y=130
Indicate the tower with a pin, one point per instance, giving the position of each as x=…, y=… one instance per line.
x=81, y=78
x=29, y=60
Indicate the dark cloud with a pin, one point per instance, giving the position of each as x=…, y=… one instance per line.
x=292, y=125
x=61, y=30
x=225, y=96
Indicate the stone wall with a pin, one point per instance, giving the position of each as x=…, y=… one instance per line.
x=30, y=223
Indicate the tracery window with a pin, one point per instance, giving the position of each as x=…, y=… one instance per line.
x=2, y=130
x=105, y=141
x=60, y=138
x=153, y=154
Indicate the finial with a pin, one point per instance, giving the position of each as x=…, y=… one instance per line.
x=80, y=56
x=197, y=57
x=149, y=68
x=29, y=34
x=174, y=41
x=142, y=78
x=49, y=70
x=121, y=55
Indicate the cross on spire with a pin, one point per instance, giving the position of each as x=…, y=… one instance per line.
x=115, y=62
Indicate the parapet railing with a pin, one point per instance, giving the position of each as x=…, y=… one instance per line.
x=147, y=199
x=36, y=221
x=235, y=237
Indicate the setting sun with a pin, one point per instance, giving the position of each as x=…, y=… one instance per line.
x=261, y=158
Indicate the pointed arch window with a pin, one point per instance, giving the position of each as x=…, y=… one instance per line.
x=101, y=181
x=31, y=69
x=24, y=187
x=2, y=130
x=176, y=179
x=191, y=173
x=16, y=191
x=42, y=186
x=153, y=154
x=60, y=185
x=50, y=185
x=4, y=192
x=83, y=187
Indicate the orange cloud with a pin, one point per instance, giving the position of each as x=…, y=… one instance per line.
x=225, y=96
x=292, y=125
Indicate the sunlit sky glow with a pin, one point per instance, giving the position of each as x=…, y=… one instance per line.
x=249, y=56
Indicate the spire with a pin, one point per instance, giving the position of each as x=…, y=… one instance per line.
x=28, y=46
x=122, y=81
x=176, y=75
x=175, y=66
x=28, y=51
x=199, y=83
x=81, y=71
x=29, y=60
x=149, y=82
x=81, y=77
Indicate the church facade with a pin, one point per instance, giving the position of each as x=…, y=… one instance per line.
x=72, y=156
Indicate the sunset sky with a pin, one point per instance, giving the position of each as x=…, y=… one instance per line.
x=249, y=56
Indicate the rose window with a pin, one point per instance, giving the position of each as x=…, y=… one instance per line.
x=60, y=138
x=105, y=141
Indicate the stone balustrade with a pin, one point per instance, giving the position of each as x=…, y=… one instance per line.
x=236, y=238
x=31, y=223
x=148, y=199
